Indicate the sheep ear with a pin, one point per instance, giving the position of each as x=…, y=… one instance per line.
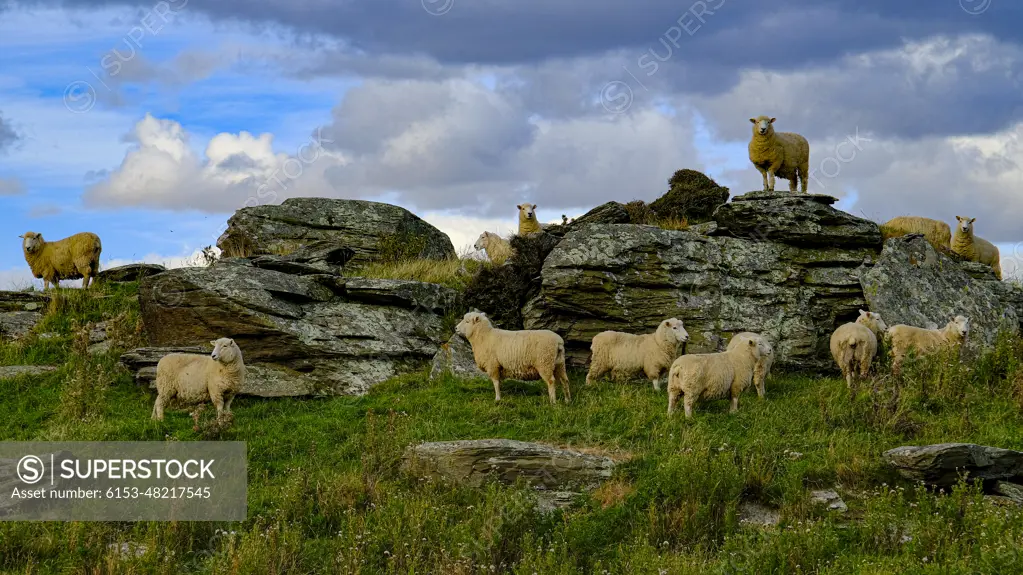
x=752, y=120
x=973, y=220
x=772, y=120
x=519, y=206
x=213, y=342
x=751, y=342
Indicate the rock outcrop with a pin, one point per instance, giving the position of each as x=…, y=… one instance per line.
x=129, y=272
x=782, y=265
x=941, y=465
x=455, y=357
x=370, y=230
x=20, y=311
x=320, y=333
x=912, y=283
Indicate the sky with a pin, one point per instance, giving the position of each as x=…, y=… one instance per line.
x=150, y=123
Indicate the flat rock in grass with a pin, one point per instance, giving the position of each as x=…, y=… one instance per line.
x=20, y=311
x=830, y=499
x=474, y=462
x=753, y=513
x=12, y=371
x=455, y=357
x=1013, y=491
x=130, y=272
x=941, y=465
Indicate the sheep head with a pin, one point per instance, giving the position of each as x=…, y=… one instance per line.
x=673, y=328
x=225, y=350
x=966, y=224
x=872, y=320
x=481, y=242
x=470, y=322
x=762, y=125
x=527, y=211
x=960, y=326
x=31, y=241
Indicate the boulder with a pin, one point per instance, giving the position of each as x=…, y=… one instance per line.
x=129, y=272
x=629, y=278
x=20, y=311
x=941, y=465
x=912, y=283
x=455, y=358
x=473, y=462
x=795, y=219
x=609, y=213
x=372, y=231
x=323, y=333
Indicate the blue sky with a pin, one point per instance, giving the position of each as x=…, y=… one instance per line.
x=431, y=114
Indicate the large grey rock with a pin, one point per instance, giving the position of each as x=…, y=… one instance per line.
x=473, y=462
x=260, y=380
x=369, y=229
x=797, y=219
x=912, y=283
x=336, y=335
x=942, y=464
x=455, y=357
x=629, y=278
x=20, y=311
x=130, y=272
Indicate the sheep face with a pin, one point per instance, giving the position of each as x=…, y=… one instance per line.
x=527, y=211
x=31, y=241
x=762, y=125
x=481, y=243
x=868, y=317
x=225, y=350
x=674, y=328
x=962, y=325
x=758, y=348
x=966, y=224
x=469, y=323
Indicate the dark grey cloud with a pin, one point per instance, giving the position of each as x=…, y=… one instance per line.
x=8, y=135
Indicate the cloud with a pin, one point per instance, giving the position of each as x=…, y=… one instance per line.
x=8, y=135
x=45, y=210
x=11, y=187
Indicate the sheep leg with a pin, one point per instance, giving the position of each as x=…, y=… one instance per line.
x=735, y=403
x=763, y=174
x=227, y=404
x=161, y=400
x=218, y=402
x=497, y=388
x=561, y=374
x=672, y=399
x=770, y=180
x=654, y=375
x=687, y=403
x=594, y=374
x=803, y=171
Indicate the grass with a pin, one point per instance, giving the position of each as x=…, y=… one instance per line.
x=326, y=494
x=454, y=273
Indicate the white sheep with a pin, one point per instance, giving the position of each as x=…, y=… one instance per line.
x=935, y=231
x=194, y=378
x=71, y=258
x=528, y=354
x=527, y=219
x=624, y=354
x=973, y=248
x=903, y=338
x=498, y=249
x=782, y=154
x=854, y=345
x=713, y=375
x=763, y=366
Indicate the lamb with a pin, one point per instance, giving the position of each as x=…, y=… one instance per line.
x=71, y=258
x=925, y=341
x=854, y=345
x=763, y=365
x=627, y=354
x=936, y=232
x=528, y=354
x=527, y=219
x=782, y=154
x=714, y=375
x=975, y=249
x=194, y=378
x=498, y=249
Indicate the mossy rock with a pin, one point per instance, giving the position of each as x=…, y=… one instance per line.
x=692, y=196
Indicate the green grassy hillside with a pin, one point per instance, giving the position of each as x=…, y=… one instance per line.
x=326, y=496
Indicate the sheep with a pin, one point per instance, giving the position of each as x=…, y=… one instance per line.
x=763, y=366
x=626, y=354
x=714, y=375
x=936, y=232
x=498, y=249
x=194, y=378
x=973, y=248
x=527, y=219
x=782, y=154
x=71, y=258
x=527, y=354
x=854, y=345
x=903, y=337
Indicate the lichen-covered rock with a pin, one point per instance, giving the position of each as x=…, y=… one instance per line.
x=455, y=357
x=914, y=284
x=129, y=272
x=336, y=335
x=942, y=464
x=796, y=219
x=371, y=230
x=20, y=311
x=629, y=278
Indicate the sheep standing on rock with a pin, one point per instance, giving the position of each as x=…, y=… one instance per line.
x=527, y=219
x=975, y=249
x=713, y=375
x=935, y=231
x=498, y=249
x=194, y=378
x=782, y=154
x=625, y=354
x=854, y=345
x=925, y=341
x=763, y=366
x=527, y=354
x=71, y=258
